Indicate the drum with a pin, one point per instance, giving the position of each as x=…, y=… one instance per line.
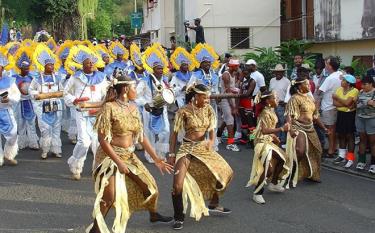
x=166, y=96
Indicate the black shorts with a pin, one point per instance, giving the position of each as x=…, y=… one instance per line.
x=345, y=122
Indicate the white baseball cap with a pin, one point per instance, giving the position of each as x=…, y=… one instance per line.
x=251, y=62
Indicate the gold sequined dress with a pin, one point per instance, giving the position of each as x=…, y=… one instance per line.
x=309, y=166
x=114, y=121
x=265, y=149
x=207, y=167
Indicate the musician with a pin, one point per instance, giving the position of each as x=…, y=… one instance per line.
x=155, y=119
x=86, y=85
x=104, y=53
x=199, y=172
x=120, y=55
x=26, y=117
x=136, y=71
x=9, y=97
x=206, y=57
x=49, y=110
x=182, y=61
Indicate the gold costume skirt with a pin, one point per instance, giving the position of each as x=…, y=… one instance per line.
x=263, y=152
x=128, y=195
x=309, y=166
x=207, y=168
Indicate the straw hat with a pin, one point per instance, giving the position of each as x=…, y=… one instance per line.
x=278, y=67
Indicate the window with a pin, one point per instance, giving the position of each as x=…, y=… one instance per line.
x=366, y=61
x=240, y=38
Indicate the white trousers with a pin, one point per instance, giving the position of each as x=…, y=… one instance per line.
x=86, y=137
x=72, y=134
x=50, y=140
x=27, y=136
x=11, y=142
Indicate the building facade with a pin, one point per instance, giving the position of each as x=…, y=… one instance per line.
x=236, y=26
x=343, y=28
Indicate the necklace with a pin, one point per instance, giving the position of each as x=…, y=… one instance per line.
x=122, y=104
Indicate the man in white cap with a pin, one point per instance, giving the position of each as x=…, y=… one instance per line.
x=280, y=85
x=228, y=106
x=260, y=84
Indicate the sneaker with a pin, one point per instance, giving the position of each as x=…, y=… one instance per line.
x=259, y=199
x=178, y=225
x=276, y=188
x=338, y=160
x=237, y=135
x=349, y=164
x=219, y=210
x=219, y=140
x=360, y=166
x=356, y=140
x=372, y=169
x=44, y=155
x=12, y=162
x=73, y=141
x=161, y=219
x=58, y=155
x=233, y=147
x=76, y=176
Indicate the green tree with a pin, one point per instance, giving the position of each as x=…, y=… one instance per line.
x=101, y=26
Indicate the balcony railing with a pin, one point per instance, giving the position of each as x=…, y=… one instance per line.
x=292, y=28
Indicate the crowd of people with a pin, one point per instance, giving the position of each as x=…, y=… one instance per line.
x=114, y=99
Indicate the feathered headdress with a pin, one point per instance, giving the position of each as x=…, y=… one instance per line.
x=4, y=61
x=51, y=43
x=204, y=52
x=103, y=52
x=181, y=56
x=28, y=43
x=63, y=51
x=116, y=48
x=78, y=54
x=12, y=47
x=23, y=58
x=43, y=55
x=152, y=57
x=136, y=56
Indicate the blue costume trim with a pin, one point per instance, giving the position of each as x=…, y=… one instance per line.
x=183, y=77
x=6, y=124
x=6, y=82
x=208, y=82
x=94, y=79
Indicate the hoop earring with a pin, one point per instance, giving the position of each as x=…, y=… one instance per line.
x=126, y=97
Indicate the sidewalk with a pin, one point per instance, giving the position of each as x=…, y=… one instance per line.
x=353, y=171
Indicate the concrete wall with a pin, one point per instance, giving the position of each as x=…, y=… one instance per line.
x=346, y=49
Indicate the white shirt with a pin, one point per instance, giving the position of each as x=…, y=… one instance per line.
x=259, y=81
x=280, y=87
x=329, y=87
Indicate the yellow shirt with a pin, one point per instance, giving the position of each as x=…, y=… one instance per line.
x=353, y=93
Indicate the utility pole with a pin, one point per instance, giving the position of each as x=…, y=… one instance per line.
x=179, y=10
x=135, y=11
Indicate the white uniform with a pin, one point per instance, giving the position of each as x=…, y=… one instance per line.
x=178, y=82
x=49, y=122
x=146, y=90
x=8, y=124
x=94, y=86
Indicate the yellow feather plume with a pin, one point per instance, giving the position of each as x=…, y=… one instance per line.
x=51, y=43
x=176, y=53
x=65, y=45
x=135, y=49
x=212, y=52
x=28, y=43
x=71, y=65
x=100, y=48
x=29, y=53
x=154, y=50
x=38, y=50
x=4, y=52
x=114, y=44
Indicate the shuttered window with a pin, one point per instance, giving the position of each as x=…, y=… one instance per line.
x=240, y=38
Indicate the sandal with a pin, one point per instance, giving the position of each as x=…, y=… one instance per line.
x=219, y=209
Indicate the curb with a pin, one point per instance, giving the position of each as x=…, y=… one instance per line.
x=328, y=164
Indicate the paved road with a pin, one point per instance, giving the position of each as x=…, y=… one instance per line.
x=38, y=196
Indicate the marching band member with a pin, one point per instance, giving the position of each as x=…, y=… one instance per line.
x=182, y=61
x=46, y=88
x=120, y=55
x=103, y=52
x=269, y=162
x=9, y=97
x=121, y=179
x=155, y=118
x=199, y=172
x=86, y=86
x=26, y=117
x=136, y=70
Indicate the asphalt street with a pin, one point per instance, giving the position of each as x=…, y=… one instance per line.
x=38, y=196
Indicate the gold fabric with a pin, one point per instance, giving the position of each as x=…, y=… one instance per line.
x=113, y=120
x=207, y=168
x=128, y=195
x=192, y=119
x=301, y=104
x=308, y=166
x=265, y=149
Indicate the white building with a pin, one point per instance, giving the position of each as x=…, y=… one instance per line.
x=236, y=25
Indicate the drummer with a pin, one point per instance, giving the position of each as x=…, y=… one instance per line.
x=155, y=118
x=86, y=85
x=49, y=110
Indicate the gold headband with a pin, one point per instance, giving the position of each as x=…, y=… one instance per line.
x=294, y=82
x=261, y=96
x=115, y=82
x=192, y=87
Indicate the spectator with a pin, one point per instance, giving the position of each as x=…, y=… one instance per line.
x=298, y=61
x=280, y=84
x=319, y=75
x=344, y=99
x=199, y=31
x=365, y=123
x=325, y=102
x=260, y=84
x=224, y=67
x=350, y=70
x=371, y=72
